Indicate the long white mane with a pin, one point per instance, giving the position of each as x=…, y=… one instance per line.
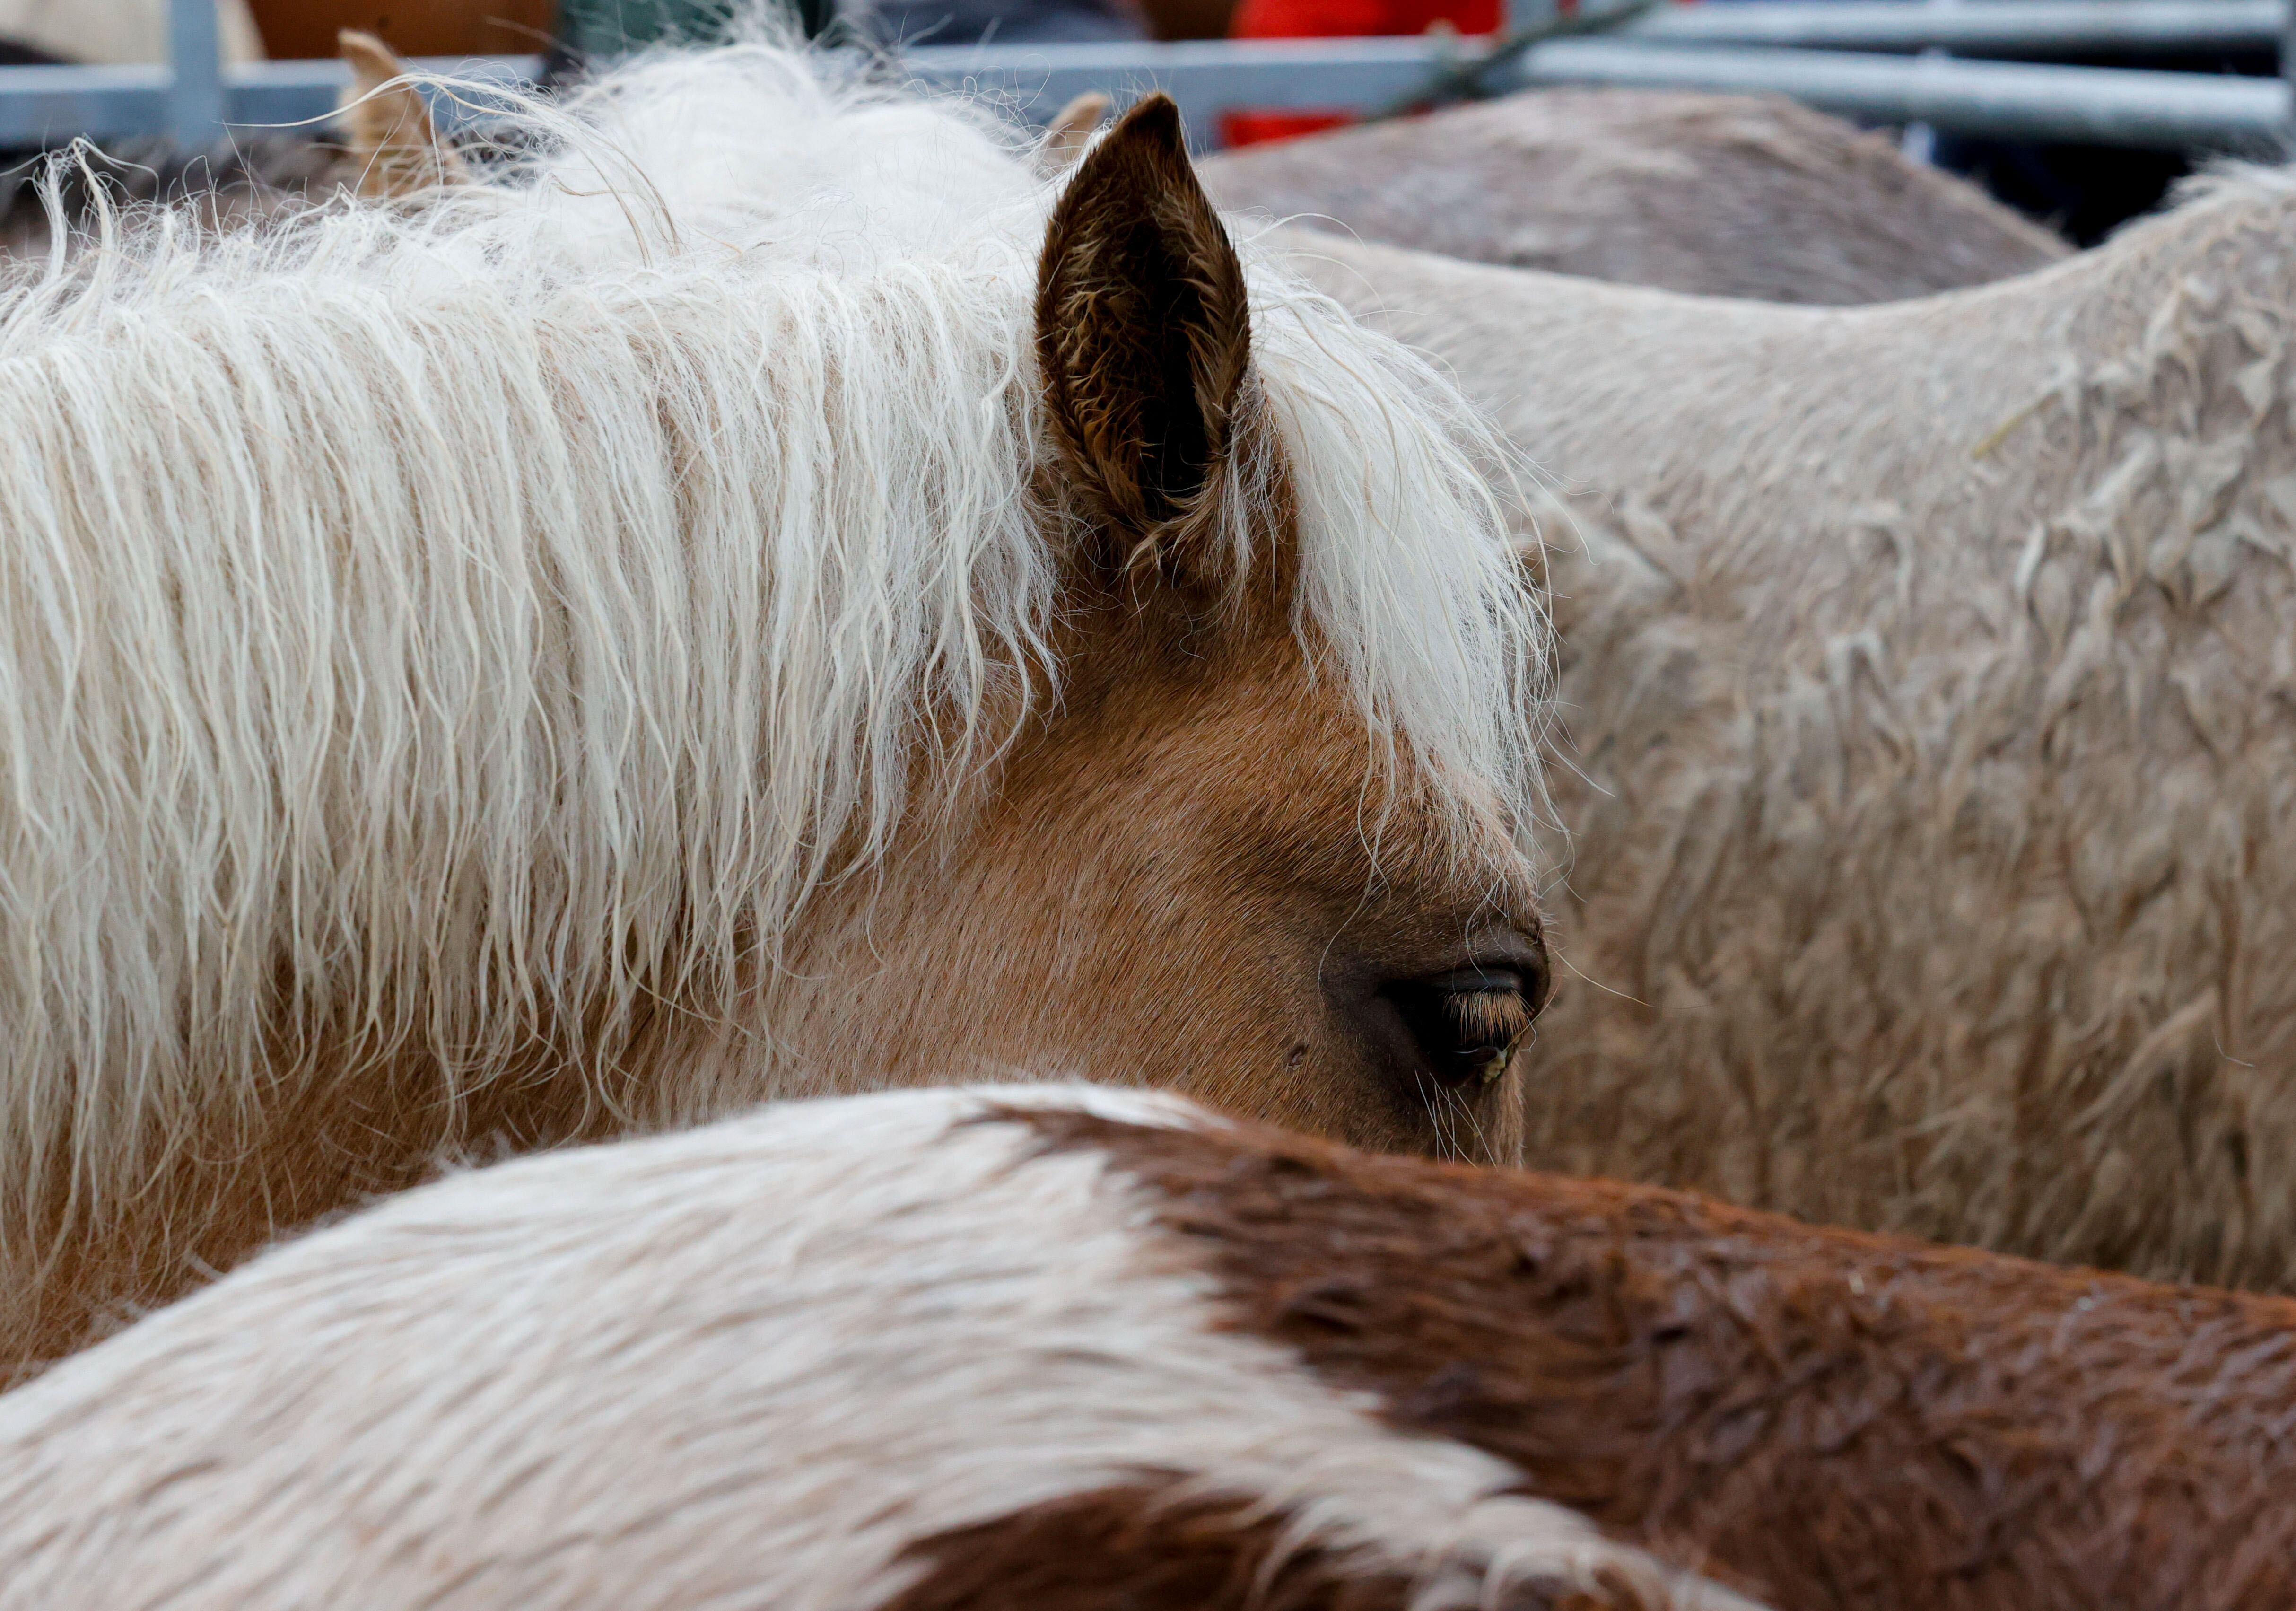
x=436, y=627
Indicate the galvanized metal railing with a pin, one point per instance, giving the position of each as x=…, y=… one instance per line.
x=2106, y=106
x=1851, y=57
x=195, y=101
x=1981, y=28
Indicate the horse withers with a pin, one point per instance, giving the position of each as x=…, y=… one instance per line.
x=783, y=598
x=1038, y=1348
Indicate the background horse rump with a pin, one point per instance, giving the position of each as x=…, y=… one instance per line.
x=1724, y=195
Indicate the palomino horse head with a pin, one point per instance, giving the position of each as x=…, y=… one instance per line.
x=818, y=606
x=1190, y=871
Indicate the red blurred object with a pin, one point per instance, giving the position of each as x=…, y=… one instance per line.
x=1353, y=19
x=412, y=28
x=1258, y=127
x=1337, y=19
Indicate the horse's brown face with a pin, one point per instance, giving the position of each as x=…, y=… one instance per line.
x=1190, y=874
x=1175, y=885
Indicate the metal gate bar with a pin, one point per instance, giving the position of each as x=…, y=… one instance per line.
x=2106, y=106
x=195, y=97
x=2082, y=105
x=1982, y=28
x=1720, y=47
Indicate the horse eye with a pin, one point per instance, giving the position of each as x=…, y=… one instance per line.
x=1465, y=1024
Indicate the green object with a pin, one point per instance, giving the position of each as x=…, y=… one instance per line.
x=609, y=28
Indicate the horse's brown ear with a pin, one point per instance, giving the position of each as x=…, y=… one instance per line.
x=1143, y=334
x=392, y=147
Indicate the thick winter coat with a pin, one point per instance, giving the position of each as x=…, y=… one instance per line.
x=1930, y=702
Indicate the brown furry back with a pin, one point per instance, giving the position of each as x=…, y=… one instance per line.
x=1724, y=195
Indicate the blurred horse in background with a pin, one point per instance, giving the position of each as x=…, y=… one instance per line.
x=1725, y=196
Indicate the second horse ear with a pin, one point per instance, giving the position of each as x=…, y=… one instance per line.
x=1143, y=335
x=392, y=148
x=1070, y=131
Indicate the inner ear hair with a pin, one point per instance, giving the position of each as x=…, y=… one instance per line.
x=1143, y=336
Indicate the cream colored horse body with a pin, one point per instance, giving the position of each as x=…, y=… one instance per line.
x=1725, y=196
x=1928, y=684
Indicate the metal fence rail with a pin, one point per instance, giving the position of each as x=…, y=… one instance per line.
x=195, y=99
x=2110, y=106
x=2081, y=105
x=1733, y=47
x=41, y=105
x=1983, y=27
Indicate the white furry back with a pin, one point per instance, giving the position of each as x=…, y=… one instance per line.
x=443, y=629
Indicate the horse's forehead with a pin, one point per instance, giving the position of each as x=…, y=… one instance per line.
x=1269, y=735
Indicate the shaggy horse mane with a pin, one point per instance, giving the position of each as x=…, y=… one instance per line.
x=437, y=626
